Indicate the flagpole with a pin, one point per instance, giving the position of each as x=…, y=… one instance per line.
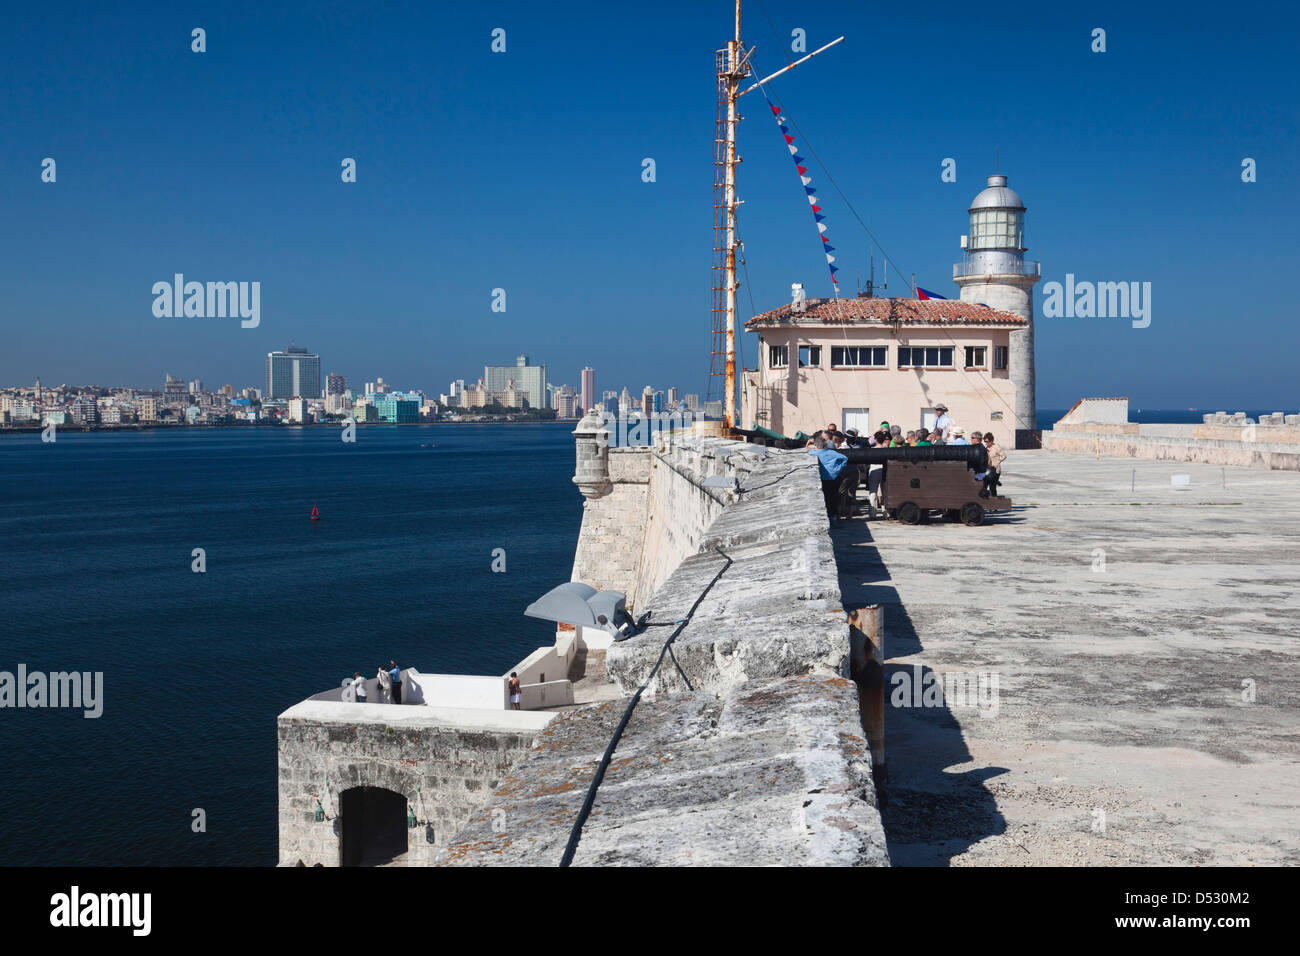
x=734, y=73
x=731, y=73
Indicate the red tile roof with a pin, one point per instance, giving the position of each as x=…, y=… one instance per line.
x=888, y=311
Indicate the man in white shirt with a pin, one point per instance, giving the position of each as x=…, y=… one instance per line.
x=943, y=423
x=359, y=687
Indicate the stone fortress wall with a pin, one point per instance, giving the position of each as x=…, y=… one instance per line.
x=747, y=747
x=1100, y=426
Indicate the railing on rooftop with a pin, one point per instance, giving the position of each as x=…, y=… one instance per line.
x=1009, y=265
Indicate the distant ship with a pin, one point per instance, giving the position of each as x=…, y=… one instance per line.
x=315, y=512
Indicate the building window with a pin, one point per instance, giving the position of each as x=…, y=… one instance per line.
x=810, y=356
x=928, y=357
x=778, y=356
x=999, y=356
x=976, y=356
x=859, y=356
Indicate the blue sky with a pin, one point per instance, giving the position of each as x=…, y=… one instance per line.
x=522, y=171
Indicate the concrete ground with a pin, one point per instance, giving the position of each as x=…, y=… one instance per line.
x=1145, y=642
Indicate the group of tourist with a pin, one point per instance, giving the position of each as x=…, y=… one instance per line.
x=840, y=480
x=390, y=685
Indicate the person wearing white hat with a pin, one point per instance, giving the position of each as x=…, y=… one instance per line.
x=957, y=436
x=943, y=422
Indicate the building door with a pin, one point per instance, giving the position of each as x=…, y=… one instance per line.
x=374, y=826
x=928, y=417
x=858, y=418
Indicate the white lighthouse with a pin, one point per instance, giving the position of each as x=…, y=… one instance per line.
x=995, y=272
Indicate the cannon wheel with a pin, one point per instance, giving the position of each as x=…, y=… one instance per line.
x=909, y=513
x=972, y=513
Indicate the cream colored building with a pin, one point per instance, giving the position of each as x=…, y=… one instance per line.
x=857, y=362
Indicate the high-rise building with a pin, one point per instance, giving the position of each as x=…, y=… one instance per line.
x=84, y=410
x=335, y=384
x=196, y=386
x=647, y=401
x=672, y=397
x=588, y=389
x=528, y=379
x=692, y=402
x=398, y=407
x=174, y=389
x=566, y=402
x=295, y=372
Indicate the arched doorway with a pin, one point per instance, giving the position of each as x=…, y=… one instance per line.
x=373, y=826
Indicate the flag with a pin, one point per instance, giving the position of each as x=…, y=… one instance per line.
x=926, y=294
x=808, y=187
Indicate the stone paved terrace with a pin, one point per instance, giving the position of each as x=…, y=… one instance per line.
x=774, y=771
x=1120, y=689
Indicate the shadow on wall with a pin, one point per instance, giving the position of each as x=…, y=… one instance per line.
x=930, y=815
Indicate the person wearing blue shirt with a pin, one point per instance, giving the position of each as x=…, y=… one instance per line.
x=395, y=673
x=829, y=464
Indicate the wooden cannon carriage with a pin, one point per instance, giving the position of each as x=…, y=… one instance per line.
x=919, y=481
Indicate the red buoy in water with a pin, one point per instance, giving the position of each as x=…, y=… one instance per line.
x=315, y=512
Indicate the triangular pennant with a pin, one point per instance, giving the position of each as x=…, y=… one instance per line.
x=834, y=269
x=798, y=158
x=819, y=217
x=820, y=227
x=803, y=170
x=788, y=138
x=793, y=150
x=809, y=190
x=826, y=248
x=806, y=179
x=830, y=258
x=776, y=110
x=816, y=208
x=784, y=129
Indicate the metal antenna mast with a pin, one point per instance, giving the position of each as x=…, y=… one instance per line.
x=732, y=68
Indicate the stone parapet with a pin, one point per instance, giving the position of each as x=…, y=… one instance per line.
x=774, y=611
x=1250, y=446
x=776, y=772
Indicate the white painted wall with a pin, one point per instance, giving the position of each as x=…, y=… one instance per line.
x=551, y=694
x=454, y=690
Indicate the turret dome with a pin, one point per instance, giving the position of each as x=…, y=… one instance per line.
x=997, y=196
